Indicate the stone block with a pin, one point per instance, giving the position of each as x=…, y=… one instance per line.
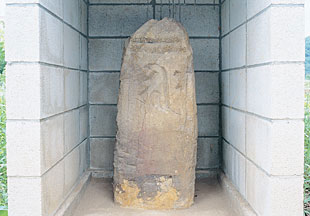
x=101, y=153
x=201, y=20
x=287, y=196
x=147, y=1
x=103, y=88
x=206, y=54
x=190, y=2
x=258, y=141
x=23, y=90
x=51, y=39
x=236, y=135
x=225, y=122
x=121, y=20
x=208, y=120
x=83, y=17
x=237, y=47
x=83, y=53
x=52, y=141
x=258, y=41
x=234, y=165
x=51, y=90
x=105, y=54
x=55, y=6
x=42, y=33
x=71, y=47
x=23, y=151
x=207, y=87
x=84, y=157
x=237, y=14
x=277, y=146
x=102, y=120
x=225, y=17
x=33, y=155
x=21, y=1
x=208, y=156
x=38, y=87
x=117, y=1
x=238, y=173
x=72, y=88
x=287, y=148
x=225, y=52
x=25, y=194
x=83, y=88
x=22, y=22
x=237, y=89
x=254, y=7
x=287, y=35
x=227, y=159
x=52, y=190
x=71, y=129
x=289, y=2
x=276, y=91
x=72, y=169
x=225, y=86
x=258, y=189
x=286, y=41
x=270, y=195
x=72, y=13
x=84, y=113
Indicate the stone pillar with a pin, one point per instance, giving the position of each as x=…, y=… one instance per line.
x=155, y=154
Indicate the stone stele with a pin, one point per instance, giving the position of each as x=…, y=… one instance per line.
x=156, y=144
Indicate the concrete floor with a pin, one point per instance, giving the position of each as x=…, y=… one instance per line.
x=98, y=201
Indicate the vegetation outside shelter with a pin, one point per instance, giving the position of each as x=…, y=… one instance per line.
x=3, y=174
x=307, y=63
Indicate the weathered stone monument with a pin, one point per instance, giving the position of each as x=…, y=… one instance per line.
x=155, y=155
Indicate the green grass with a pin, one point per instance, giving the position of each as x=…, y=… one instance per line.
x=4, y=213
x=307, y=152
x=3, y=172
x=3, y=176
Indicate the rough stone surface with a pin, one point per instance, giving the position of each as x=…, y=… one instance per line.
x=155, y=155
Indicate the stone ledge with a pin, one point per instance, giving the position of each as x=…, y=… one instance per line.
x=73, y=199
x=237, y=202
x=99, y=173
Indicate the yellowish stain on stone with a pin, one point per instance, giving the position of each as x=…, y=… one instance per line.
x=127, y=196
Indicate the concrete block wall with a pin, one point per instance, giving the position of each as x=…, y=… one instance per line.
x=262, y=46
x=110, y=24
x=47, y=102
x=62, y=89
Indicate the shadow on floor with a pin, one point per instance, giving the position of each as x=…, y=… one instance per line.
x=98, y=201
